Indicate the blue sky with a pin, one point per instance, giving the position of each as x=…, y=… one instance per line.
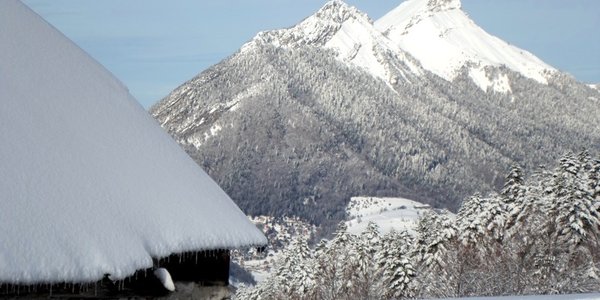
x=153, y=46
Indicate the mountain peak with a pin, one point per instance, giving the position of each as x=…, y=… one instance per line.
x=339, y=11
x=319, y=28
x=444, y=39
x=350, y=34
x=442, y=5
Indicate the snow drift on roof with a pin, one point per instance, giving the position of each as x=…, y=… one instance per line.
x=90, y=184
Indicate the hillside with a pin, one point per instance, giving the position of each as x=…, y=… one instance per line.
x=301, y=119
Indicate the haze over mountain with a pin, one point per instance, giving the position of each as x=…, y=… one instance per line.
x=421, y=103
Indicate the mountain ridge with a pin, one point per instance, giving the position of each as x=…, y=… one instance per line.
x=292, y=127
x=350, y=34
x=454, y=41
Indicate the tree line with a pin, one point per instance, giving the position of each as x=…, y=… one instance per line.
x=539, y=235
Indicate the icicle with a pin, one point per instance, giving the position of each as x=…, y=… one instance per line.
x=196, y=257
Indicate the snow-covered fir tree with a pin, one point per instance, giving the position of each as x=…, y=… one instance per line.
x=347, y=267
x=436, y=257
x=295, y=272
x=367, y=275
x=539, y=235
x=397, y=270
x=513, y=185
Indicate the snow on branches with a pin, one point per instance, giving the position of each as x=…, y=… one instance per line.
x=369, y=266
x=538, y=235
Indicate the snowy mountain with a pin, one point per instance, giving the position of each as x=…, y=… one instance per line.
x=350, y=34
x=302, y=119
x=91, y=185
x=444, y=39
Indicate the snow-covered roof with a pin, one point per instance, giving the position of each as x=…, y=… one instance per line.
x=89, y=182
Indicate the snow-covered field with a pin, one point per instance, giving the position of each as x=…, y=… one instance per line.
x=387, y=213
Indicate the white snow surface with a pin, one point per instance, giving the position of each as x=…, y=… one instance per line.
x=356, y=42
x=444, y=39
x=165, y=278
x=434, y=35
x=346, y=31
x=90, y=182
x=388, y=213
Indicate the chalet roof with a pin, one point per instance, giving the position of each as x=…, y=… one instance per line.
x=89, y=182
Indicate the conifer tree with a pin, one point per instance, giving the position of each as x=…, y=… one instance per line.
x=576, y=212
x=435, y=254
x=366, y=271
x=513, y=185
x=397, y=271
x=335, y=280
x=469, y=223
x=302, y=272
